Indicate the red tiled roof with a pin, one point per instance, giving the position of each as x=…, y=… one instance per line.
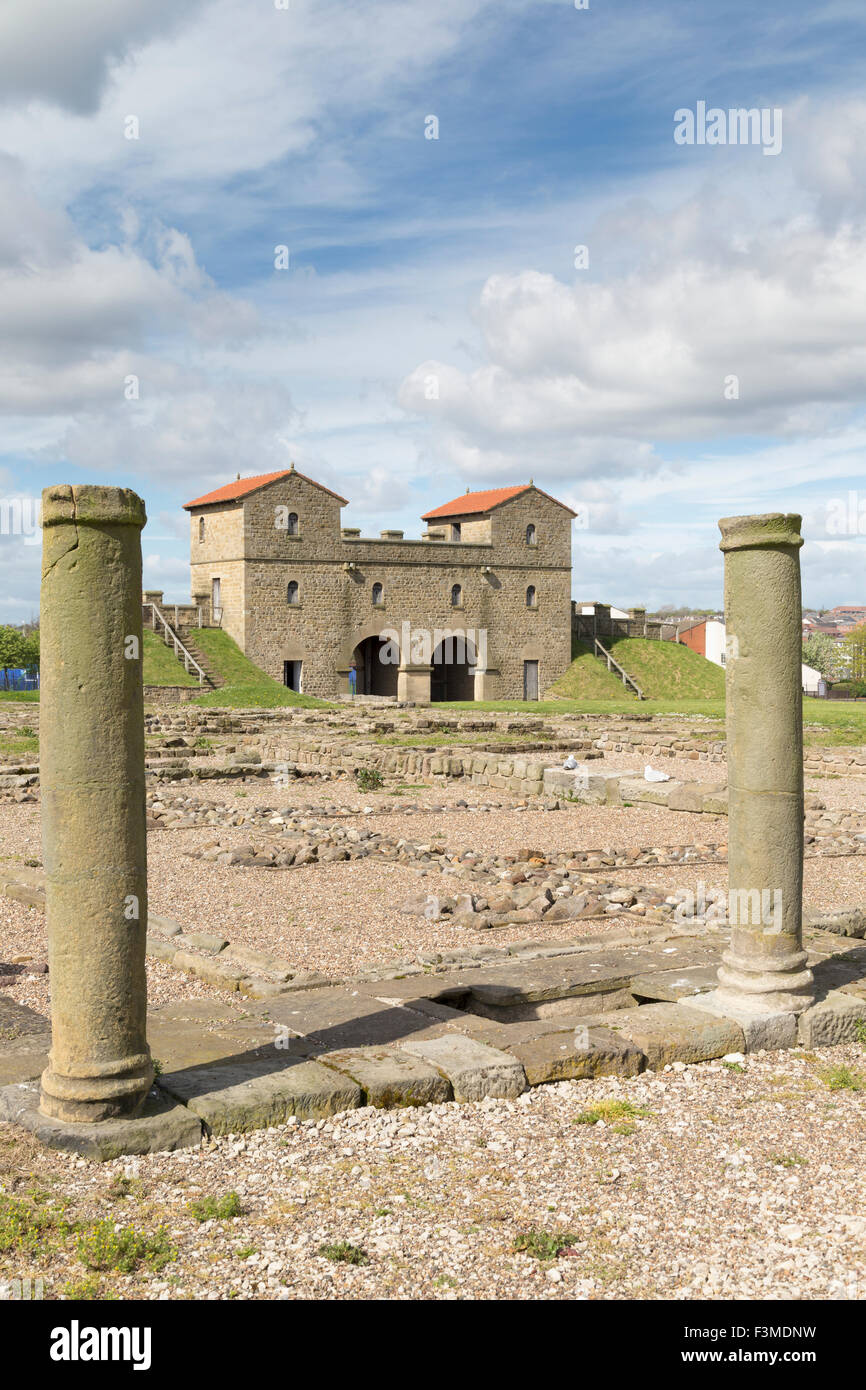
x=472, y=502
x=243, y=486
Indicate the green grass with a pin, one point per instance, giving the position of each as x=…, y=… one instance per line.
x=160, y=666
x=714, y=709
x=216, y=1208
x=668, y=670
x=27, y=696
x=246, y=686
x=842, y=1078
x=342, y=1252
x=845, y=723
x=18, y=745
x=608, y=1110
x=542, y=1245
x=106, y=1247
x=587, y=678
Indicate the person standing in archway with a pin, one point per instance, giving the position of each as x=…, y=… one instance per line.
x=353, y=679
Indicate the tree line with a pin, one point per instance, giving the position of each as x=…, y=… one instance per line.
x=19, y=650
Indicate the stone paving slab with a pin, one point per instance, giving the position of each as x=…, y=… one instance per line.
x=577, y=1054
x=242, y=1094
x=162, y=1126
x=200, y=1031
x=667, y=986
x=474, y=1069
x=389, y=1076
x=25, y=1037
x=674, y=1033
x=332, y=1019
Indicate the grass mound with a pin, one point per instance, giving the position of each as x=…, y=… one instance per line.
x=246, y=686
x=160, y=666
x=668, y=670
x=587, y=678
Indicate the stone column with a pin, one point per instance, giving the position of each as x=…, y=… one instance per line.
x=93, y=802
x=765, y=966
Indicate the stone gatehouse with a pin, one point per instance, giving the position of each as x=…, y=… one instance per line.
x=478, y=608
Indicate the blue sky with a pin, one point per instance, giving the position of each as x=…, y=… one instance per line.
x=451, y=260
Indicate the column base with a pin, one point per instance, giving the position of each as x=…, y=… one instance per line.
x=116, y=1090
x=775, y=987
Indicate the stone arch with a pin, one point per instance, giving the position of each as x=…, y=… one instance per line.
x=452, y=675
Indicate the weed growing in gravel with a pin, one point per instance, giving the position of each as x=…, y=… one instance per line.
x=860, y=1031
x=25, y=1225
x=542, y=1245
x=612, y=1110
x=733, y=1066
x=842, y=1078
x=216, y=1208
x=788, y=1160
x=85, y=1289
x=123, y=1186
x=106, y=1246
x=344, y=1253
x=369, y=779
x=246, y=1251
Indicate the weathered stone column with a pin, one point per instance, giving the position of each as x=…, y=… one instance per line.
x=93, y=802
x=765, y=966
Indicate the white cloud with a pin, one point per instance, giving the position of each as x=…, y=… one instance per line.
x=61, y=53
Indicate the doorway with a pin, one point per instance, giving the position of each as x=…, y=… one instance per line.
x=292, y=675
x=530, y=680
x=377, y=674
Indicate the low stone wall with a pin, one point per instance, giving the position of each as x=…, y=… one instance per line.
x=172, y=694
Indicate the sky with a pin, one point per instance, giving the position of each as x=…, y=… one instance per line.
x=416, y=249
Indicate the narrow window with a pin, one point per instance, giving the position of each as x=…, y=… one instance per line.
x=201, y=528
x=531, y=597
x=456, y=596
x=292, y=524
x=378, y=595
x=530, y=535
x=455, y=531
x=292, y=592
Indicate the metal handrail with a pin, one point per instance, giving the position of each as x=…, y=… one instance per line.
x=612, y=661
x=170, y=638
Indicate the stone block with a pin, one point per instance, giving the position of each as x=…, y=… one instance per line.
x=674, y=1033
x=839, y=1018
x=578, y=1053
x=761, y=1029
x=239, y=1095
x=390, y=1077
x=473, y=1069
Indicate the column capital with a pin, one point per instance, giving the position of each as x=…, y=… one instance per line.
x=760, y=532
x=88, y=504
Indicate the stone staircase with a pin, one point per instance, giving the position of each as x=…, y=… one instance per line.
x=613, y=665
x=212, y=675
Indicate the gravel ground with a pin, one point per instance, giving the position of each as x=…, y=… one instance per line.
x=338, y=917
x=22, y=934
x=725, y=1182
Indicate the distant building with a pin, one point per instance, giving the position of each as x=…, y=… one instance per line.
x=813, y=682
x=706, y=637
x=309, y=600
